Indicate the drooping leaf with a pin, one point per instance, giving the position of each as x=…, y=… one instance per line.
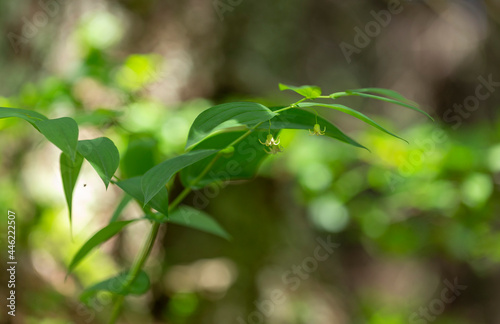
x=197, y=219
x=405, y=102
x=226, y=116
x=30, y=116
x=384, y=92
x=103, y=156
x=132, y=186
x=302, y=119
x=98, y=238
x=159, y=175
x=69, y=174
x=62, y=132
x=243, y=163
x=308, y=91
x=116, y=285
x=351, y=112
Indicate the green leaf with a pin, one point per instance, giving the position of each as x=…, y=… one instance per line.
x=301, y=119
x=197, y=219
x=226, y=116
x=116, y=284
x=405, y=102
x=103, y=156
x=243, y=163
x=62, y=132
x=30, y=116
x=69, y=174
x=308, y=91
x=100, y=237
x=159, y=175
x=132, y=186
x=384, y=92
x=351, y=112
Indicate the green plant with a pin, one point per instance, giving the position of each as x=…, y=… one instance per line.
x=216, y=143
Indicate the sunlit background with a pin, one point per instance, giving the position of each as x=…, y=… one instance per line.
x=409, y=219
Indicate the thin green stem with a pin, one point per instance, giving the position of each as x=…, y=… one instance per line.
x=117, y=307
x=193, y=183
x=294, y=105
x=336, y=95
x=148, y=245
x=135, y=270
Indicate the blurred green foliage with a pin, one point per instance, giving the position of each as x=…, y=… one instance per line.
x=406, y=216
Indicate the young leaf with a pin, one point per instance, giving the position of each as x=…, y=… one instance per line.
x=100, y=237
x=158, y=176
x=132, y=187
x=226, y=116
x=308, y=91
x=116, y=284
x=103, y=156
x=30, y=116
x=62, y=132
x=197, y=219
x=351, y=112
x=302, y=119
x=243, y=163
x=410, y=105
x=69, y=174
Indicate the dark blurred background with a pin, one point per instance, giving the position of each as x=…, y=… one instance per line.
x=415, y=224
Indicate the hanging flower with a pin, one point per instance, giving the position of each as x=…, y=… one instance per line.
x=317, y=130
x=270, y=141
x=273, y=144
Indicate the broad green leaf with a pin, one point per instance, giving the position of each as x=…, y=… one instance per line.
x=30, y=116
x=226, y=116
x=121, y=206
x=62, y=132
x=242, y=163
x=308, y=91
x=405, y=103
x=351, y=112
x=69, y=174
x=98, y=238
x=116, y=284
x=197, y=219
x=159, y=175
x=132, y=186
x=103, y=156
x=301, y=119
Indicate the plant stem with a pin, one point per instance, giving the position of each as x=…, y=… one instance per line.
x=136, y=268
x=148, y=245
